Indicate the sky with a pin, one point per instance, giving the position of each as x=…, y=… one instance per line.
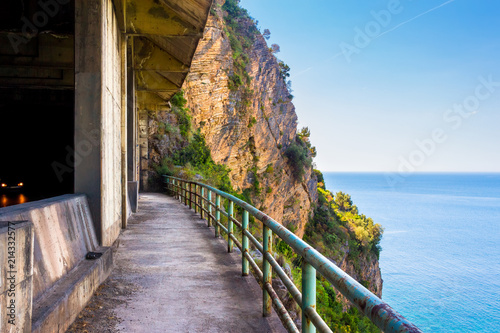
x=407, y=86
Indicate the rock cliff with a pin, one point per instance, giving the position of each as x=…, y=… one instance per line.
x=249, y=133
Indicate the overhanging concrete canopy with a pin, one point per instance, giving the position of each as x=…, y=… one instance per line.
x=163, y=36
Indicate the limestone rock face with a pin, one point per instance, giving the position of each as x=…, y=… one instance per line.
x=249, y=134
x=366, y=271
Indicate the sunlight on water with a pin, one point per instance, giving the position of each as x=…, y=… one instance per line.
x=440, y=259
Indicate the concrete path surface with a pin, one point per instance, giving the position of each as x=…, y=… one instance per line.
x=172, y=275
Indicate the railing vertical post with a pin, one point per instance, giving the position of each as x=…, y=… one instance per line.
x=266, y=270
x=217, y=215
x=230, y=227
x=184, y=187
x=195, y=201
x=244, y=243
x=308, y=295
x=209, y=207
x=198, y=199
x=177, y=190
x=202, y=199
x=190, y=195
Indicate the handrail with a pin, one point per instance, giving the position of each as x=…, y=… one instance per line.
x=379, y=312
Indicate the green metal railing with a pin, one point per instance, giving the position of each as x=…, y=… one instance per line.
x=199, y=197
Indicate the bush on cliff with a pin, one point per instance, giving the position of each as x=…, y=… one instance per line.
x=298, y=157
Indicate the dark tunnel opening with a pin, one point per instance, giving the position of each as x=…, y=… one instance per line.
x=37, y=134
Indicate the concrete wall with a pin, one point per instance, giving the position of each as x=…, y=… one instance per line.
x=63, y=235
x=55, y=281
x=16, y=280
x=98, y=107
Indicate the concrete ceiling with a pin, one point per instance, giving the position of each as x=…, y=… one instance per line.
x=163, y=37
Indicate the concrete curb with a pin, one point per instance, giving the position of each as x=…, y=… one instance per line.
x=60, y=306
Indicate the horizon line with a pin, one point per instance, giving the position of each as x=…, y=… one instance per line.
x=407, y=173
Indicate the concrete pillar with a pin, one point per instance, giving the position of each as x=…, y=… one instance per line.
x=88, y=102
x=144, y=152
x=131, y=114
x=98, y=107
x=124, y=130
x=131, y=129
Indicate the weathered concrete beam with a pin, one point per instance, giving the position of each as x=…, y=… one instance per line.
x=37, y=77
x=43, y=50
x=155, y=18
x=46, y=61
x=154, y=81
x=148, y=100
x=148, y=56
x=194, y=12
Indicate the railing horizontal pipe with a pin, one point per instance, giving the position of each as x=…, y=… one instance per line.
x=235, y=221
x=379, y=312
x=254, y=265
x=254, y=241
x=290, y=286
x=222, y=227
x=281, y=310
x=236, y=241
x=316, y=319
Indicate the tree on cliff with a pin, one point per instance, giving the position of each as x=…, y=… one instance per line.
x=343, y=201
x=266, y=34
x=275, y=48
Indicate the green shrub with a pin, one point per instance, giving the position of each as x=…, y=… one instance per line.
x=241, y=30
x=178, y=103
x=298, y=158
x=235, y=81
x=252, y=122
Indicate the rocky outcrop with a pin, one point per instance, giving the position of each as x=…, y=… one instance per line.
x=249, y=133
x=366, y=270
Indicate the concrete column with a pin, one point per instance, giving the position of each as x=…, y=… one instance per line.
x=124, y=130
x=131, y=114
x=88, y=102
x=144, y=153
x=98, y=108
x=131, y=129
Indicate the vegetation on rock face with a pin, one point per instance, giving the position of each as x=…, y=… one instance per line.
x=241, y=30
x=298, y=157
x=337, y=222
x=193, y=160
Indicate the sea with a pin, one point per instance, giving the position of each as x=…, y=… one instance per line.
x=440, y=258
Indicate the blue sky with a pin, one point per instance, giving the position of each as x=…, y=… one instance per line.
x=393, y=85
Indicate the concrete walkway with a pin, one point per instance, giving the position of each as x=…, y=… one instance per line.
x=180, y=277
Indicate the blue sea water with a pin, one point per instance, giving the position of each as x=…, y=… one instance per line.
x=441, y=246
